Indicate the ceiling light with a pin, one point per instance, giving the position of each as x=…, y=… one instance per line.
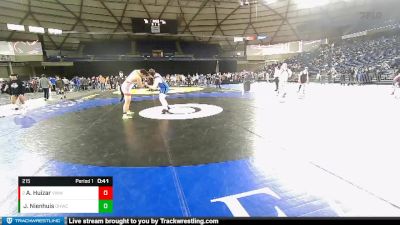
x=244, y=2
x=238, y=39
x=15, y=27
x=54, y=31
x=261, y=37
x=306, y=4
x=267, y=2
x=36, y=29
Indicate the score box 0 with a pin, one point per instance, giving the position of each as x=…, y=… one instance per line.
x=65, y=194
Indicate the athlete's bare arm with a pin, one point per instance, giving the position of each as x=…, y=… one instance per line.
x=155, y=84
x=138, y=81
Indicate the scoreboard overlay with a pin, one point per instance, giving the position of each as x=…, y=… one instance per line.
x=65, y=194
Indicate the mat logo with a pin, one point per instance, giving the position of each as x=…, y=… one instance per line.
x=181, y=112
x=9, y=220
x=237, y=209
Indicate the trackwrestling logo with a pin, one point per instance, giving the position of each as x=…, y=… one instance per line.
x=33, y=220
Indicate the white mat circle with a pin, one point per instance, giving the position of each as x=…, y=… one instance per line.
x=181, y=112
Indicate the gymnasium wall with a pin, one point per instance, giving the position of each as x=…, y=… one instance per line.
x=250, y=65
x=21, y=69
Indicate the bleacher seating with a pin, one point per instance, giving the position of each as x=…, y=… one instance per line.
x=380, y=52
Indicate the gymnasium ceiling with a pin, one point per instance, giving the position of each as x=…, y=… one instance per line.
x=215, y=21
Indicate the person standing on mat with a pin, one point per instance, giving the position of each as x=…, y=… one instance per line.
x=120, y=79
x=16, y=90
x=45, y=84
x=61, y=87
x=218, y=81
x=276, y=78
x=246, y=82
x=284, y=74
x=159, y=82
x=135, y=77
x=396, y=83
x=303, y=80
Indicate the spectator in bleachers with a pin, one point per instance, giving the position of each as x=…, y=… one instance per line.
x=376, y=52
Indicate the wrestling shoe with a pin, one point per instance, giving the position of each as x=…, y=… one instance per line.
x=126, y=116
x=130, y=113
x=165, y=111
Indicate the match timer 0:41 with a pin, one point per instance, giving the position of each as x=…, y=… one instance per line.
x=65, y=194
